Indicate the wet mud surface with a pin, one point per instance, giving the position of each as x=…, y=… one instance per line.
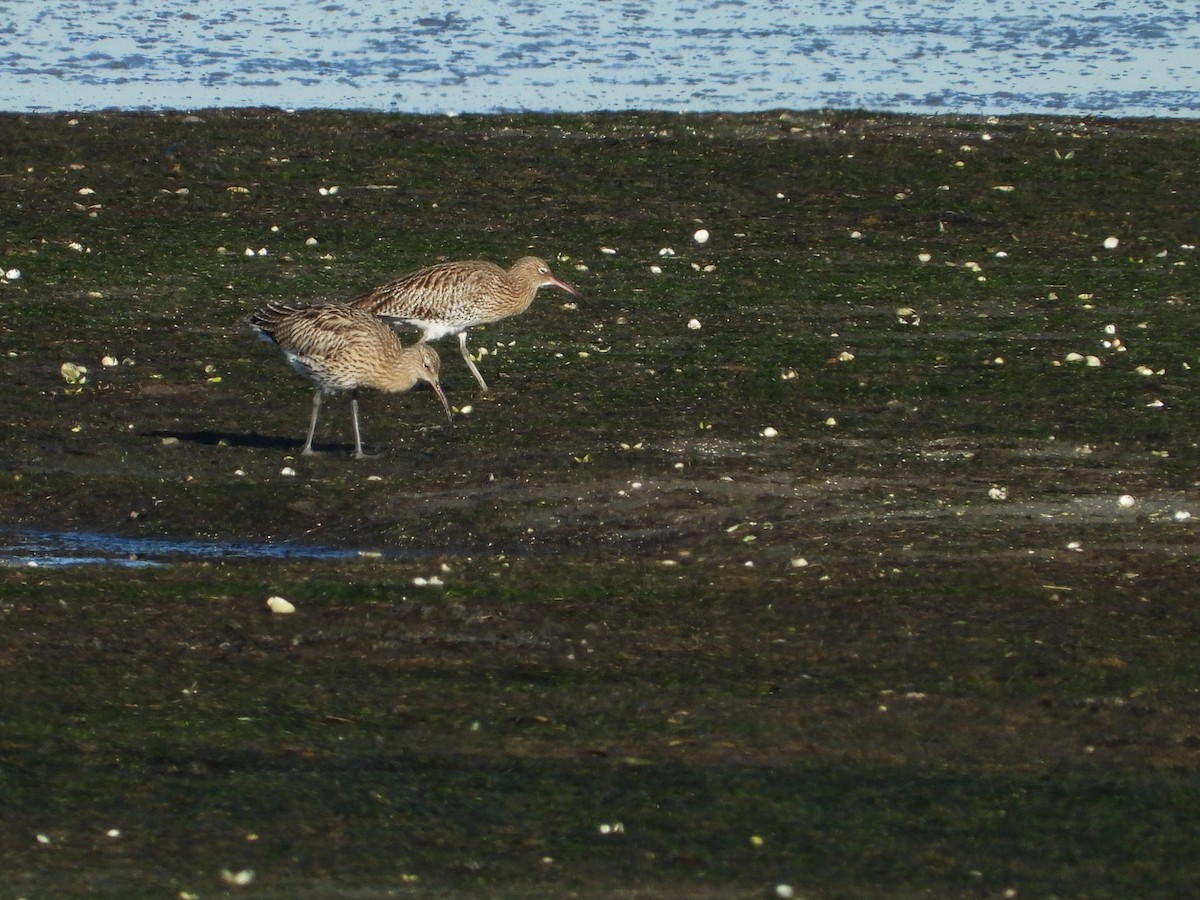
x=851, y=551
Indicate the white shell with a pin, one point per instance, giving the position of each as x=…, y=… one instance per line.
x=280, y=605
x=701, y=236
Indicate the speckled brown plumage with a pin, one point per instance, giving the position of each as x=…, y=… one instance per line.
x=451, y=297
x=339, y=348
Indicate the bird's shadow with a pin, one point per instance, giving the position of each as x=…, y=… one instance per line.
x=210, y=438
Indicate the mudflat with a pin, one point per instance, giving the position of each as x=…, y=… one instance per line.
x=837, y=542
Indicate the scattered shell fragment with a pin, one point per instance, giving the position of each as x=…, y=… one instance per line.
x=1005, y=188
x=1111, y=243
x=109, y=361
x=328, y=191
x=608, y=251
x=311, y=242
x=856, y=235
x=996, y=492
x=1094, y=361
x=924, y=257
x=784, y=891
x=73, y=373
x=694, y=324
x=280, y=605
x=845, y=356
x=657, y=270
x=12, y=274
x=288, y=471
x=701, y=236
x=798, y=562
x=665, y=252
x=1125, y=501
x=908, y=316
x=1182, y=515
x=769, y=432
x=238, y=879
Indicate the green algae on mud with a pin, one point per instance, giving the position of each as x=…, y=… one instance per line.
x=983, y=678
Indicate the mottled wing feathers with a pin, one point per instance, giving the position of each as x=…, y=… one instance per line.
x=452, y=293
x=333, y=345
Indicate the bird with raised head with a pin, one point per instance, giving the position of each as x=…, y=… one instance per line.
x=450, y=297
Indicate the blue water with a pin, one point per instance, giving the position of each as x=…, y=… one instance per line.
x=32, y=547
x=1135, y=58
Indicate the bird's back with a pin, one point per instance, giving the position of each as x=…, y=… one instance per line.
x=441, y=299
x=335, y=346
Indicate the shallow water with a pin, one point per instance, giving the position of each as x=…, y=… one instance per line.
x=77, y=548
x=1129, y=59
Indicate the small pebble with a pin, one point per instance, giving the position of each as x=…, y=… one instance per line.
x=701, y=236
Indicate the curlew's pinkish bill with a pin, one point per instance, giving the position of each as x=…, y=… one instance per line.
x=339, y=348
x=449, y=298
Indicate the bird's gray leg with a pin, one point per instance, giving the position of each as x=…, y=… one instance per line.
x=466, y=354
x=312, y=425
x=358, y=450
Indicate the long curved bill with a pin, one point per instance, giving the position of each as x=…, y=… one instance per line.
x=437, y=389
x=559, y=283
